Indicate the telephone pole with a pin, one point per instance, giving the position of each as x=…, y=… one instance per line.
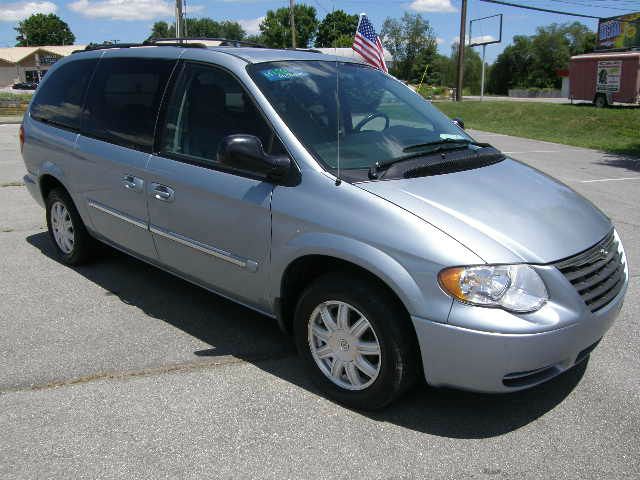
x=178, y=18
x=463, y=24
x=293, y=23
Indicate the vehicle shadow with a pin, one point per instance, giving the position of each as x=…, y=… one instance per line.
x=231, y=329
x=622, y=160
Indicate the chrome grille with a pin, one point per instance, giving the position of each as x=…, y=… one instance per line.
x=597, y=273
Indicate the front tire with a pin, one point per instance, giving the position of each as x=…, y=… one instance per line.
x=356, y=341
x=72, y=242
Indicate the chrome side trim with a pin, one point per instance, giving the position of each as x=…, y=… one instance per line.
x=117, y=214
x=250, y=265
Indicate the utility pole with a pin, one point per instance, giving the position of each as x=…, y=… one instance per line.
x=484, y=48
x=293, y=23
x=178, y=18
x=463, y=24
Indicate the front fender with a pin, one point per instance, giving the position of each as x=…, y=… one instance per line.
x=366, y=256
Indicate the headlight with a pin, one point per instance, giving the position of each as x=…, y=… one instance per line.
x=517, y=288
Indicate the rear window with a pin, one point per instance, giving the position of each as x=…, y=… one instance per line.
x=123, y=101
x=59, y=100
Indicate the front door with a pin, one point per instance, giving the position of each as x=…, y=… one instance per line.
x=210, y=224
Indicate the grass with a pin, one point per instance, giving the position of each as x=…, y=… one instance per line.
x=13, y=110
x=15, y=96
x=615, y=130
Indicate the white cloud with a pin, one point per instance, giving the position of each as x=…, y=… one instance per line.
x=436, y=6
x=439, y=41
x=127, y=9
x=11, y=12
x=252, y=25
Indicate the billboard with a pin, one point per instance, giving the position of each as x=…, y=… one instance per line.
x=619, y=32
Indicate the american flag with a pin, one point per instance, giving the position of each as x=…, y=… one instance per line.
x=368, y=44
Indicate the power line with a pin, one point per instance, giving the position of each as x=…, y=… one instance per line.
x=547, y=10
x=581, y=4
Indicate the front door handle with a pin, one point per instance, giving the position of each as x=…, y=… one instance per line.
x=133, y=183
x=162, y=192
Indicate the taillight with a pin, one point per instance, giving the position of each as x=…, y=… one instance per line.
x=21, y=135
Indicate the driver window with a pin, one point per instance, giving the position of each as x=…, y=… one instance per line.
x=206, y=105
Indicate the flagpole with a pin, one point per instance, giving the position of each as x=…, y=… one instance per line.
x=422, y=78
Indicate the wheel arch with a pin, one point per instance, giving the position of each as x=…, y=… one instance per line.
x=354, y=256
x=48, y=182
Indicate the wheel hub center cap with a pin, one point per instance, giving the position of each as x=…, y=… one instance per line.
x=343, y=346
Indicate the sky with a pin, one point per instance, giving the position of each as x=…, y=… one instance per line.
x=131, y=20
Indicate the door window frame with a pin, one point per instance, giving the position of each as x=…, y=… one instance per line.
x=176, y=76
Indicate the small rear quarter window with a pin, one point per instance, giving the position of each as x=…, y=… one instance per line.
x=59, y=99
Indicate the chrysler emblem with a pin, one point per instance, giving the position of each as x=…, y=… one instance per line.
x=604, y=252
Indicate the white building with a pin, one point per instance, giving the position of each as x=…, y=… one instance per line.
x=29, y=64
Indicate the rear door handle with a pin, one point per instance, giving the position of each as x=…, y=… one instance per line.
x=133, y=183
x=162, y=192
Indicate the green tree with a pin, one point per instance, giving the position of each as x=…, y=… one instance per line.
x=337, y=29
x=472, y=68
x=442, y=72
x=200, y=27
x=512, y=67
x=276, y=31
x=533, y=61
x=162, y=30
x=412, y=44
x=40, y=29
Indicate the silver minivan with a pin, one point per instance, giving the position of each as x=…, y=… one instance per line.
x=331, y=197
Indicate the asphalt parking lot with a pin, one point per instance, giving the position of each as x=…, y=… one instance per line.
x=118, y=370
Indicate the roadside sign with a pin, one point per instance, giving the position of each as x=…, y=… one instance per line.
x=621, y=32
x=608, y=76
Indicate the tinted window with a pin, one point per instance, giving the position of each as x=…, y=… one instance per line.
x=59, y=101
x=122, y=103
x=206, y=105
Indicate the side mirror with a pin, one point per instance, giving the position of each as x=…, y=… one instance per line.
x=245, y=152
x=459, y=122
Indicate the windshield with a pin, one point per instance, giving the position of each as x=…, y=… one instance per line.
x=378, y=119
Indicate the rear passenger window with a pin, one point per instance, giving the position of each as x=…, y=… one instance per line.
x=123, y=101
x=59, y=100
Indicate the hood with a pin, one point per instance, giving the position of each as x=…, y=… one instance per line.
x=506, y=212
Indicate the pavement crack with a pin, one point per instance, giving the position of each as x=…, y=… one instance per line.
x=146, y=372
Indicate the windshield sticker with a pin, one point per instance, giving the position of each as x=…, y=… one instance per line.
x=452, y=136
x=278, y=74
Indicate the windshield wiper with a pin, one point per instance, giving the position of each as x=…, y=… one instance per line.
x=438, y=145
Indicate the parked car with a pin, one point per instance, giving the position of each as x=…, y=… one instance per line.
x=25, y=86
x=330, y=196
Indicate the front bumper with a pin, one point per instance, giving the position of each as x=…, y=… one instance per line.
x=492, y=362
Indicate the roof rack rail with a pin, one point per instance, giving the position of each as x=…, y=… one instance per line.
x=224, y=42
x=146, y=43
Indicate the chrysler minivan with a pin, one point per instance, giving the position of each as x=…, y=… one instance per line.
x=330, y=196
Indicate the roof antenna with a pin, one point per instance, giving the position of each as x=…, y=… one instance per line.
x=338, y=114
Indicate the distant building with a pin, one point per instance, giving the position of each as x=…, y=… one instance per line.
x=29, y=64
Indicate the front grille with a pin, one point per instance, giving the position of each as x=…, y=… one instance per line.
x=597, y=273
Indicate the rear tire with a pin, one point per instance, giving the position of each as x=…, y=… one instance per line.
x=369, y=356
x=71, y=241
x=600, y=101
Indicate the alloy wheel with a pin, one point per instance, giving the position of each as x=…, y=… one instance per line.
x=62, y=227
x=344, y=345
